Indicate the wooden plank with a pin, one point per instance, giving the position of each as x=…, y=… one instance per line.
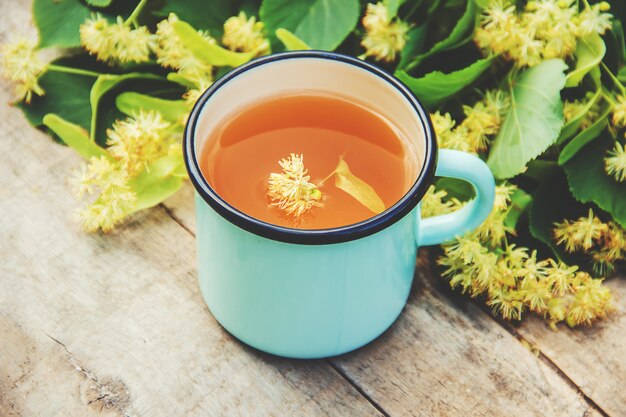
x=115, y=325
x=445, y=356
x=594, y=358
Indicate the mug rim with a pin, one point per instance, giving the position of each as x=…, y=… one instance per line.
x=312, y=236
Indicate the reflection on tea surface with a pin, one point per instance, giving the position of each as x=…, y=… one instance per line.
x=239, y=157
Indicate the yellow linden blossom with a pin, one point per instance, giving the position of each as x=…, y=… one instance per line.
x=115, y=42
x=545, y=29
x=21, y=64
x=615, y=162
x=192, y=95
x=511, y=279
x=139, y=140
x=579, y=234
x=245, y=35
x=594, y=19
x=114, y=200
x=384, y=37
x=619, y=112
x=437, y=202
x=482, y=121
x=291, y=190
x=173, y=54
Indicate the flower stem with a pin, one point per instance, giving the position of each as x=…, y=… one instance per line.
x=133, y=16
x=617, y=83
x=70, y=70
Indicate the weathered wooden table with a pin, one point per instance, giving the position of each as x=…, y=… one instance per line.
x=115, y=325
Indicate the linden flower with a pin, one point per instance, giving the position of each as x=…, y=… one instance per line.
x=21, y=64
x=139, y=140
x=594, y=19
x=579, y=234
x=115, y=42
x=619, y=112
x=615, y=162
x=115, y=198
x=384, y=38
x=545, y=29
x=243, y=34
x=291, y=190
x=437, y=202
x=482, y=121
x=171, y=53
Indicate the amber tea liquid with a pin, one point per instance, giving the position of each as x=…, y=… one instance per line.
x=246, y=148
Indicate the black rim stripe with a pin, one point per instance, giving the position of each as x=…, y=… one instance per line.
x=316, y=236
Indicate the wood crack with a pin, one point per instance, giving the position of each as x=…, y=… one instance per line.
x=102, y=393
x=360, y=390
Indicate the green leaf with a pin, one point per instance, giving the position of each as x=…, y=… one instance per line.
x=321, y=24
x=570, y=128
x=539, y=169
x=534, y=119
x=392, y=7
x=414, y=44
x=520, y=201
x=460, y=34
x=75, y=137
x=206, y=51
x=435, y=87
x=590, y=183
x=552, y=203
x=58, y=22
x=589, y=52
x=291, y=41
x=131, y=103
x=180, y=80
x=459, y=189
x=160, y=180
x=357, y=188
x=67, y=95
x=105, y=83
x=584, y=137
x=99, y=3
x=202, y=14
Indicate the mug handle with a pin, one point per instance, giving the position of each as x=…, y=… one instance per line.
x=467, y=167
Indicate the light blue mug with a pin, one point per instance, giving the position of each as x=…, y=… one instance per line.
x=317, y=293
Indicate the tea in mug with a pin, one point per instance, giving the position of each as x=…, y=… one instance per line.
x=323, y=133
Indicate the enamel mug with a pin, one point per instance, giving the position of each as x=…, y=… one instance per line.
x=317, y=293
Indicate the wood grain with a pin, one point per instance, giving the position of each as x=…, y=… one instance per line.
x=593, y=358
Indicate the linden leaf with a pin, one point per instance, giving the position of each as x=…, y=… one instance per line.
x=201, y=14
x=99, y=3
x=460, y=34
x=589, y=181
x=158, y=181
x=357, y=188
x=58, y=22
x=322, y=24
x=105, y=83
x=585, y=136
x=131, y=103
x=210, y=53
x=75, y=137
x=66, y=95
x=435, y=87
x=552, y=202
x=291, y=41
x=534, y=119
x=571, y=127
x=589, y=52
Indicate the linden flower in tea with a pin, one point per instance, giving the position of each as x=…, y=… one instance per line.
x=291, y=190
